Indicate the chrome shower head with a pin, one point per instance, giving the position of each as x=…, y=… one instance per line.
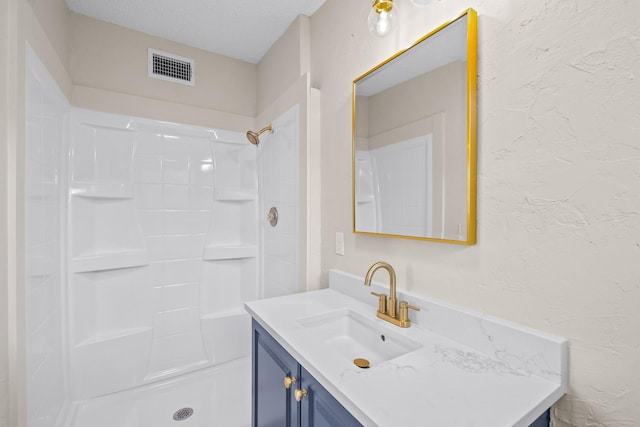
x=254, y=137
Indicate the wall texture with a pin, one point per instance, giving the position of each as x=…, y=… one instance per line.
x=558, y=182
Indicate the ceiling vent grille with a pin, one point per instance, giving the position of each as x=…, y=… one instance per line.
x=172, y=68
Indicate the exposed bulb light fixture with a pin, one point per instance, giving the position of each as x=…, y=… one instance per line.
x=381, y=17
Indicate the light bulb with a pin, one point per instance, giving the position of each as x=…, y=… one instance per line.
x=381, y=17
x=383, y=25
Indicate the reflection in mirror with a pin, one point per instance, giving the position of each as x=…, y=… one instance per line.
x=414, y=139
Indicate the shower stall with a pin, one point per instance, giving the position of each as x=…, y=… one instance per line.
x=144, y=240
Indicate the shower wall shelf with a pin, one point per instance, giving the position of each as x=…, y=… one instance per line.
x=184, y=369
x=226, y=252
x=236, y=194
x=102, y=191
x=109, y=261
x=115, y=334
x=225, y=314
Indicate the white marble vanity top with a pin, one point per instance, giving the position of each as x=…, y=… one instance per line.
x=471, y=370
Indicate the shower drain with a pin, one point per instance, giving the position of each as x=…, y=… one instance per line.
x=182, y=414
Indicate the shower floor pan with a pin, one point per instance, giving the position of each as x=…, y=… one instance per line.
x=215, y=397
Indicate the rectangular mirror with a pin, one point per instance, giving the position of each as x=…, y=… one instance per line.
x=414, y=139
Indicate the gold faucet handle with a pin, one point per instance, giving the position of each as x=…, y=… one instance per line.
x=404, y=310
x=382, y=302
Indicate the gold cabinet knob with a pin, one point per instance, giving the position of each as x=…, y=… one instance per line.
x=288, y=381
x=300, y=394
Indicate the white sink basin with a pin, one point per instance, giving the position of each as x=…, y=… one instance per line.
x=348, y=335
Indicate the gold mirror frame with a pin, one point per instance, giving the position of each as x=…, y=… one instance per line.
x=471, y=131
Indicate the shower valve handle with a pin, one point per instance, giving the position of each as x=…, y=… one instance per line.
x=272, y=216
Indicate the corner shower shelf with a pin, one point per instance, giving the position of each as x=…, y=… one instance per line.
x=109, y=261
x=235, y=194
x=102, y=191
x=114, y=334
x=219, y=252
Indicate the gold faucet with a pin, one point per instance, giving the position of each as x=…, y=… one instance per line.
x=388, y=310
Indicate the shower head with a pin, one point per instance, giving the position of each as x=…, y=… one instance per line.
x=254, y=137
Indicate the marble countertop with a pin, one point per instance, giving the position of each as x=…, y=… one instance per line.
x=471, y=370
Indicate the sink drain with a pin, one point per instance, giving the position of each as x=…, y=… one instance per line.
x=361, y=363
x=182, y=414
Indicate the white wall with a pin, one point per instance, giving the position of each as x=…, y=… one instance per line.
x=558, y=184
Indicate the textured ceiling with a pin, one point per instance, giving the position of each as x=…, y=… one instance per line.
x=242, y=29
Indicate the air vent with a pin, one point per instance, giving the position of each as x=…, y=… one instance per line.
x=172, y=68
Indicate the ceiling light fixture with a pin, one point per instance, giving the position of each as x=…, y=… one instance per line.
x=381, y=17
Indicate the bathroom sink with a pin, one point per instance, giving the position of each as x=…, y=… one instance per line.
x=346, y=335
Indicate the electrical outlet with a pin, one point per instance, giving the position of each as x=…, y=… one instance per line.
x=339, y=243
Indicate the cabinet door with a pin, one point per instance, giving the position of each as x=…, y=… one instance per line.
x=543, y=421
x=273, y=405
x=319, y=408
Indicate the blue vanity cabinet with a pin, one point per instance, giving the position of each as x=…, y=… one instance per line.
x=319, y=408
x=543, y=420
x=274, y=405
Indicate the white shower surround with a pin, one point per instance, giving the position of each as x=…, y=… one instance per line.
x=164, y=245
x=278, y=182
x=47, y=112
